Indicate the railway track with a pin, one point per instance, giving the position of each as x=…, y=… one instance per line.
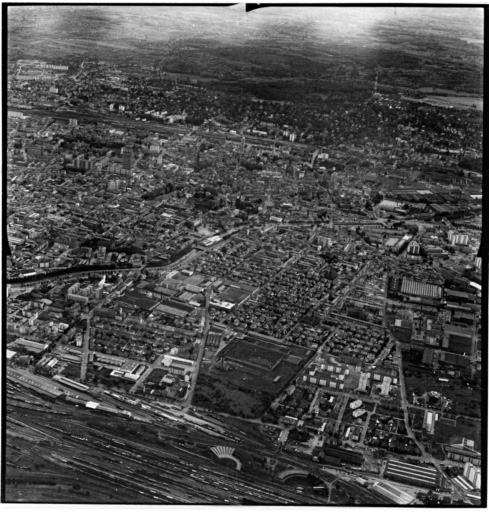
x=178, y=466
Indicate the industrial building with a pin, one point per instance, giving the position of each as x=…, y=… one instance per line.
x=464, y=452
x=473, y=474
x=35, y=382
x=421, y=289
x=70, y=383
x=178, y=365
x=463, y=484
x=458, y=339
x=214, y=338
x=412, y=474
x=34, y=347
x=345, y=456
x=389, y=491
x=174, y=309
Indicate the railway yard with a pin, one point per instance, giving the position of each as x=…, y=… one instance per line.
x=55, y=449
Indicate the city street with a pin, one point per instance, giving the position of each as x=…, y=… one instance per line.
x=203, y=339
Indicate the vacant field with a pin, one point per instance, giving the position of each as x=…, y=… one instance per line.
x=419, y=380
x=262, y=380
x=448, y=434
x=221, y=396
x=156, y=375
x=352, y=380
x=465, y=401
x=243, y=391
x=447, y=431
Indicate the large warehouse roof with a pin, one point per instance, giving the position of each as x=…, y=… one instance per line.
x=418, y=475
x=412, y=287
x=400, y=497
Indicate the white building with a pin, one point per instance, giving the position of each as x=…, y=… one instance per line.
x=77, y=294
x=386, y=386
x=457, y=238
x=413, y=247
x=362, y=385
x=472, y=474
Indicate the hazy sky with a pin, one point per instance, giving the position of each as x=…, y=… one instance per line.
x=165, y=22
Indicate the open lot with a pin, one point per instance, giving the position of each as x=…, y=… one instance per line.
x=352, y=380
x=247, y=390
x=223, y=396
x=156, y=375
x=419, y=380
x=465, y=428
x=447, y=431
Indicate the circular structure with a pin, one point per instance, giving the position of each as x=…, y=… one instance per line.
x=226, y=452
x=292, y=472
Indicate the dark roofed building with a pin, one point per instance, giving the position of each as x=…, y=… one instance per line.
x=139, y=300
x=174, y=308
x=234, y=295
x=175, y=304
x=355, y=361
x=463, y=452
x=463, y=318
x=455, y=360
x=456, y=296
x=428, y=355
x=243, y=286
x=346, y=456
x=458, y=339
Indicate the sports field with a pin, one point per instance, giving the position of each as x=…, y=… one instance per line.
x=254, y=354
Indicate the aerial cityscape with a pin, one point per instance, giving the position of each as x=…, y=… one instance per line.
x=242, y=256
